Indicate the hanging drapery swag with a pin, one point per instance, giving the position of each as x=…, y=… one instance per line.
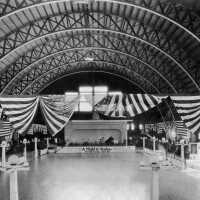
x=111, y=105
x=181, y=129
x=188, y=107
x=126, y=105
x=57, y=111
x=6, y=128
x=1, y=111
x=20, y=111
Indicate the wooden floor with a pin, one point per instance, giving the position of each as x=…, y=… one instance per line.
x=112, y=176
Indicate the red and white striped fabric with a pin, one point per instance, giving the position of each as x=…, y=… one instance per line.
x=5, y=128
x=1, y=111
x=20, y=111
x=57, y=111
x=188, y=107
x=126, y=105
x=181, y=129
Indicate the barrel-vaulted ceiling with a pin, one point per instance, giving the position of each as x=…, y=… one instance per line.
x=155, y=44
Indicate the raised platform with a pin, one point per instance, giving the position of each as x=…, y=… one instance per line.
x=91, y=131
x=96, y=149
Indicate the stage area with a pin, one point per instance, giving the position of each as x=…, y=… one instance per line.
x=95, y=131
x=111, y=176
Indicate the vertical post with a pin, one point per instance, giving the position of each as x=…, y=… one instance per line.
x=189, y=146
x=36, y=149
x=126, y=133
x=143, y=142
x=47, y=142
x=93, y=96
x=25, y=151
x=13, y=185
x=126, y=138
x=182, y=155
x=3, y=145
x=154, y=143
x=155, y=182
x=56, y=140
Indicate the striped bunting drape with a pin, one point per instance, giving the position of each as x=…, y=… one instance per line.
x=126, y=105
x=188, y=107
x=181, y=128
x=20, y=111
x=108, y=106
x=1, y=111
x=5, y=128
x=139, y=103
x=57, y=112
x=116, y=106
x=105, y=104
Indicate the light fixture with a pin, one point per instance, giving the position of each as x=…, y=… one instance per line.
x=132, y=126
x=140, y=126
x=127, y=126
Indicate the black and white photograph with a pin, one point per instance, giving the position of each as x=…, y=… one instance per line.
x=99, y=99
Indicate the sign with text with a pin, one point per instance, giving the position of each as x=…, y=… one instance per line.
x=96, y=149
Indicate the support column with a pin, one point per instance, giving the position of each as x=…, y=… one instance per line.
x=143, y=142
x=182, y=155
x=14, y=185
x=47, y=143
x=3, y=145
x=25, y=150
x=155, y=182
x=126, y=138
x=36, y=149
x=154, y=144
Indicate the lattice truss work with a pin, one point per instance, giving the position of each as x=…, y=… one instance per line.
x=155, y=44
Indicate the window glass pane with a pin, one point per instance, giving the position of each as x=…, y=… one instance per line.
x=115, y=93
x=100, y=89
x=99, y=93
x=87, y=98
x=85, y=107
x=98, y=97
x=85, y=89
x=85, y=102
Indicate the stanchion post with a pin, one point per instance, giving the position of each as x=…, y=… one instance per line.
x=143, y=142
x=12, y=167
x=56, y=140
x=47, y=142
x=36, y=149
x=25, y=150
x=3, y=146
x=126, y=138
x=154, y=143
x=155, y=182
x=182, y=155
x=14, y=185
